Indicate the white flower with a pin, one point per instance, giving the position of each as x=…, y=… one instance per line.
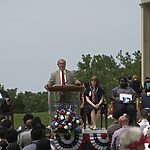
x=66, y=117
x=56, y=123
x=69, y=124
x=77, y=121
x=65, y=127
x=63, y=123
x=73, y=119
x=55, y=116
x=62, y=117
x=68, y=113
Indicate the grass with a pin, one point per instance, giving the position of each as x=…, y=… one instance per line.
x=45, y=117
x=18, y=118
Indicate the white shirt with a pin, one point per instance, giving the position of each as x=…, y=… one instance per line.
x=143, y=124
x=61, y=76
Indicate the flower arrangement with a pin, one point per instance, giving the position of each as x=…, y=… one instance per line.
x=66, y=120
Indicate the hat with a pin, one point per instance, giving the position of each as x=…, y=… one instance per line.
x=141, y=141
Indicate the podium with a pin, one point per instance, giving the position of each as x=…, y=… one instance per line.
x=65, y=88
x=68, y=96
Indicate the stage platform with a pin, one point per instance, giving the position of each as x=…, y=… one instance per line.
x=87, y=140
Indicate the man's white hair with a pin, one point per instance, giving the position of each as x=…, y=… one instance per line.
x=132, y=135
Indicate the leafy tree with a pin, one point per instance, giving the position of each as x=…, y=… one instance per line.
x=19, y=105
x=129, y=64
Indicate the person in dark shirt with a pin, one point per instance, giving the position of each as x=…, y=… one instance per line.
x=147, y=84
x=124, y=98
x=3, y=141
x=83, y=107
x=137, y=87
x=43, y=144
x=94, y=96
x=4, y=101
x=115, y=125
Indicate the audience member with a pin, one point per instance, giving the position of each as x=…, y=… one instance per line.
x=6, y=123
x=36, y=135
x=43, y=144
x=27, y=119
x=124, y=98
x=24, y=138
x=133, y=139
x=11, y=138
x=94, y=96
x=124, y=123
x=115, y=125
x=24, y=131
x=13, y=146
x=3, y=141
x=143, y=122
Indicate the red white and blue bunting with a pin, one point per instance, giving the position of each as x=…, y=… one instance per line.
x=80, y=141
x=99, y=141
x=68, y=142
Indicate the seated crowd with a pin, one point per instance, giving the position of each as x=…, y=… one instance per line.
x=32, y=135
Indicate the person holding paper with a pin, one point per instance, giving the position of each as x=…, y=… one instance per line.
x=124, y=99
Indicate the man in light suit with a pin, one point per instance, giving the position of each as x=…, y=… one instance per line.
x=61, y=77
x=56, y=77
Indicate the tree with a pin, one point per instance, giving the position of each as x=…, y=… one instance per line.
x=130, y=64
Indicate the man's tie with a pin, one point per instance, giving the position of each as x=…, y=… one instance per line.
x=63, y=78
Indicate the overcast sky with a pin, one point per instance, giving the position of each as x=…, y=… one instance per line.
x=34, y=34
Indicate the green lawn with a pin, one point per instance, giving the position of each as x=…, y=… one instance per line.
x=43, y=115
x=45, y=119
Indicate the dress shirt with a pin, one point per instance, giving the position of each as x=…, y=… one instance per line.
x=116, y=137
x=64, y=71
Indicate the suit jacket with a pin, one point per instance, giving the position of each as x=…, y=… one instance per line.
x=56, y=80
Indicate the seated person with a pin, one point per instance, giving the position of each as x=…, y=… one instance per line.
x=143, y=122
x=124, y=99
x=133, y=139
x=115, y=125
x=83, y=106
x=94, y=96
